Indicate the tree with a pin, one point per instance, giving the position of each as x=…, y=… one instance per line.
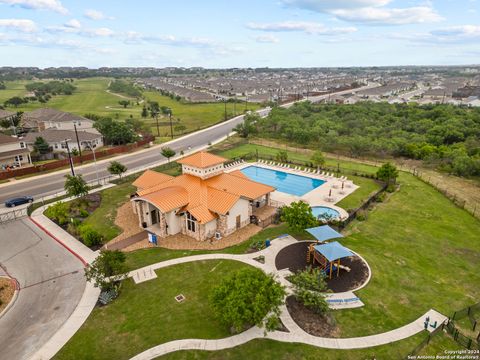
x=75, y=186
x=387, y=173
x=298, y=216
x=41, y=146
x=248, y=127
x=15, y=101
x=309, y=287
x=107, y=269
x=180, y=128
x=144, y=112
x=282, y=156
x=115, y=132
x=318, y=159
x=116, y=168
x=246, y=297
x=168, y=152
x=124, y=103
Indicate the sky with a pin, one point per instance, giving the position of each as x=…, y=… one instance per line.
x=247, y=33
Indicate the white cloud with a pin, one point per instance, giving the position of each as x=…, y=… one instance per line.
x=301, y=26
x=96, y=15
x=102, y=32
x=53, y=5
x=449, y=35
x=74, y=23
x=23, y=25
x=373, y=12
x=267, y=39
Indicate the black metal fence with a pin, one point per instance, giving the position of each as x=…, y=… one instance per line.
x=460, y=338
x=425, y=341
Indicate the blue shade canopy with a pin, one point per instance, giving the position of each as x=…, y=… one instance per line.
x=324, y=232
x=333, y=251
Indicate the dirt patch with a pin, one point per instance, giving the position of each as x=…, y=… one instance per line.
x=311, y=322
x=294, y=257
x=7, y=289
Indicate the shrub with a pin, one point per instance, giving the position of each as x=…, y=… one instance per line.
x=390, y=188
x=83, y=213
x=361, y=215
x=58, y=212
x=309, y=287
x=380, y=197
x=90, y=236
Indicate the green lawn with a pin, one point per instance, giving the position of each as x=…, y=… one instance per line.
x=143, y=257
x=359, y=196
x=147, y=314
x=102, y=219
x=91, y=97
x=273, y=350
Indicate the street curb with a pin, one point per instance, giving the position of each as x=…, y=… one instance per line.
x=58, y=241
x=15, y=294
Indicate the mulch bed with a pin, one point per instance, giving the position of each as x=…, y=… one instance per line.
x=294, y=257
x=311, y=322
x=7, y=289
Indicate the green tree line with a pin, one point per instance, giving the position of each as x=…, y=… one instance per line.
x=443, y=135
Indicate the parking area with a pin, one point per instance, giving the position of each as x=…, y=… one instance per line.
x=51, y=284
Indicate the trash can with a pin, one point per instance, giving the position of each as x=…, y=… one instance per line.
x=267, y=243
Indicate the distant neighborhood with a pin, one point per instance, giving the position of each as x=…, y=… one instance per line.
x=45, y=134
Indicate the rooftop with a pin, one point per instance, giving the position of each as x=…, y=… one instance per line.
x=54, y=135
x=47, y=114
x=5, y=139
x=202, y=159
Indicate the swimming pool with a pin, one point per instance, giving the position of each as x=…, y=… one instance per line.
x=324, y=210
x=285, y=182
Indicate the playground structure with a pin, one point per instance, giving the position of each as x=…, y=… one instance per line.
x=327, y=255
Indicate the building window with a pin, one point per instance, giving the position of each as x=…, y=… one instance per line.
x=18, y=158
x=22, y=144
x=191, y=222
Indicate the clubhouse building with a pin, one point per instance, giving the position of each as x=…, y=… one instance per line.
x=204, y=202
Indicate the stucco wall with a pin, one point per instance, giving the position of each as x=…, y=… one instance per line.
x=211, y=227
x=240, y=208
x=174, y=223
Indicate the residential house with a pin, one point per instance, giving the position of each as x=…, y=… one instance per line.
x=46, y=118
x=56, y=139
x=13, y=152
x=202, y=203
x=4, y=114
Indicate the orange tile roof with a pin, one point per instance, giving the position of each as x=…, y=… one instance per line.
x=202, y=198
x=236, y=185
x=239, y=174
x=150, y=178
x=169, y=198
x=202, y=159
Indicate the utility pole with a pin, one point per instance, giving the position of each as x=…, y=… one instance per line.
x=69, y=157
x=158, y=127
x=235, y=106
x=78, y=142
x=171, y=126
x=246, y=102
x=89, y=144
x=225, y=102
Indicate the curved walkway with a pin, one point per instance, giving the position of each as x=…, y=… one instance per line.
x=295, y=334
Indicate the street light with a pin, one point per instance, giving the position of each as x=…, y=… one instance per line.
x=69, y=157
x=169, y=110
x=89, y=144
x=78, y=142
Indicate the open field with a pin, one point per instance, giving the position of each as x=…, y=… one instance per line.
x=91, y=97
x=147, y=314
x=423, y=251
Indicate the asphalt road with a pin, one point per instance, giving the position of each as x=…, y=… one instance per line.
x=51, y=285
x=44, y=185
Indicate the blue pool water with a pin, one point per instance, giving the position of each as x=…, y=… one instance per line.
x=285, y=182
x=324, y=210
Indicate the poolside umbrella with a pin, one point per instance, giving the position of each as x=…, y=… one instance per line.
x=330, y=193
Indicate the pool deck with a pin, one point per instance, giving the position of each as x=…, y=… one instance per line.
x=327, y=194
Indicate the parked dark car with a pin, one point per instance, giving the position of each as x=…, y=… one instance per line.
x=18, y=201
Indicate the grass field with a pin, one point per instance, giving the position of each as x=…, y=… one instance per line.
x=91, y=97
x=147, y=314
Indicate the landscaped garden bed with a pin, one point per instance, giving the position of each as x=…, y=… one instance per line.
x=7, y=290
x=315, y=324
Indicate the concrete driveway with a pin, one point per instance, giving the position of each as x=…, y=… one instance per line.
x=51, y=284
